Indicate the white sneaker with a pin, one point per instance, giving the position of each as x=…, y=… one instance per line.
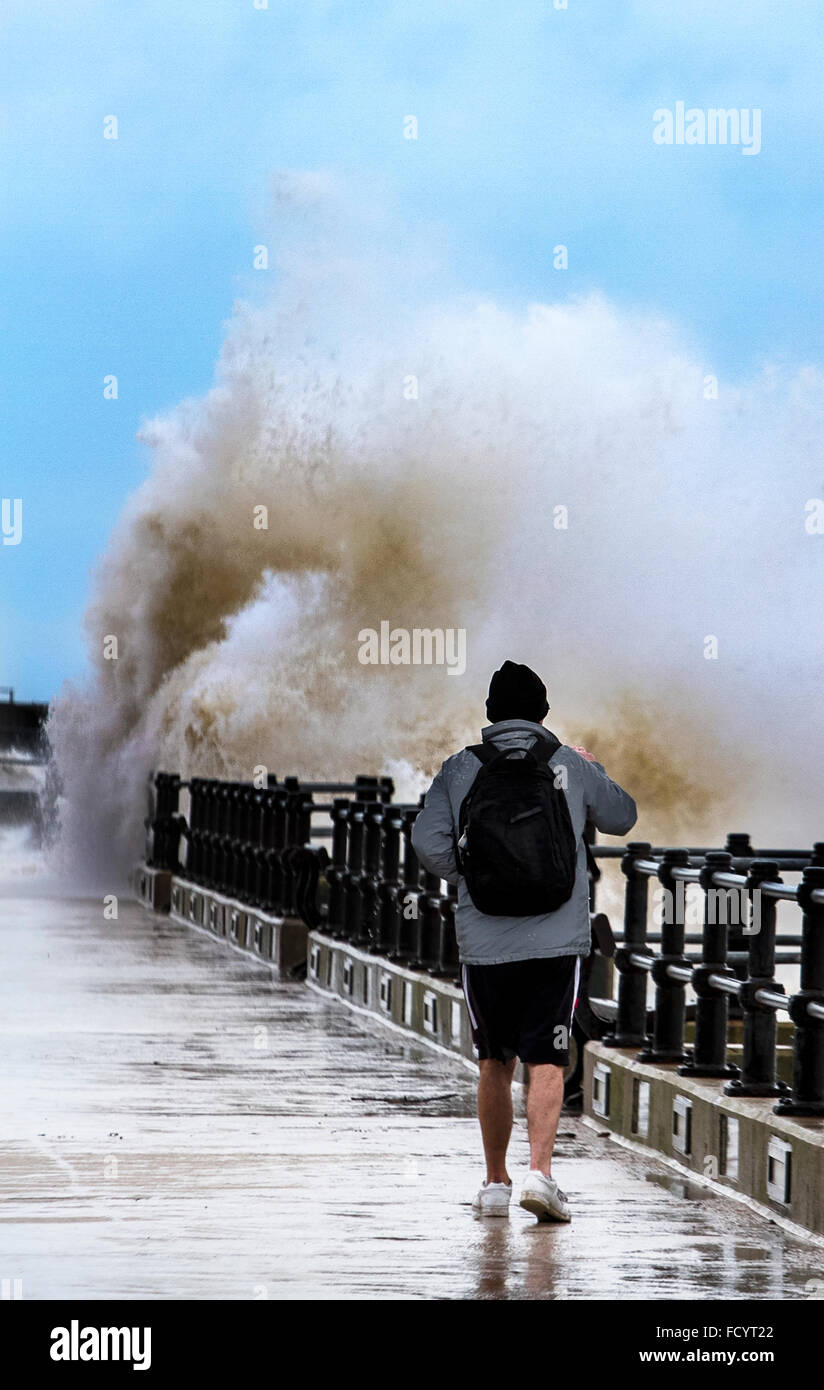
x=493, y=1199
x=543, y=1197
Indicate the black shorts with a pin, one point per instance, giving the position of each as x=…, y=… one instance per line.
x=522, y=1008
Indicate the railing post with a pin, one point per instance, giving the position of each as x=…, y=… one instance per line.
x=354, y=900
x=429, y=923
x=235, y=790
x=209, y=807
x=448, y=966
x=257, y=873
x=223, y=801
x=161, y=794
x=204, y=833
x=293, y=830
x=194, y=803
x=760, y=1023
x=254, y=832
x=336, y=872
x=389, y=888
x=273, y=876
x=222, y=846
x=165, y=828
x=244, y=794
x=370, y=878
x=154, y=834
x=232, y=866
x=250, y=872
x=709, y=1053
x=256, y=853
x=223, y=864
x=367, y=788
x=267, y=812
x=173, y=824
x=807, y=1097
x=192, y=834
x=194, y=857
x=668, y=1025
x=176, y=825
x=148, y=819
x=302, y=829
x=293, y=794
x=739, y=847
x=404, y=945
x=211, y=847
x=631, y=1021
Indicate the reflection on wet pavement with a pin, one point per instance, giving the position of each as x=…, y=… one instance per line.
x=179, y=1124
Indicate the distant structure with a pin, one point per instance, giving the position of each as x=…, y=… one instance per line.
x=22, y=726
x=24, y=753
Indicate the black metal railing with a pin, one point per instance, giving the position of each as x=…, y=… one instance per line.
x=259, y=845
x=741, y=893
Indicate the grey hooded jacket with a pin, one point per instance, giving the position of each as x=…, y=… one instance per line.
x=591, y=795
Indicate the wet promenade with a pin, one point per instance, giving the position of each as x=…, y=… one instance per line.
x=178, y=1124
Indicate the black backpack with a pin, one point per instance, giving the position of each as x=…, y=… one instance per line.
x=516, y=846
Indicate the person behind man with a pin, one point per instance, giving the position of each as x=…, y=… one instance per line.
x=520, y=973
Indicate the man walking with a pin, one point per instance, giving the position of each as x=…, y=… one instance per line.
x=517, y=840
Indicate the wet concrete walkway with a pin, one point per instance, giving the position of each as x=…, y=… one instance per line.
x=177, y=1124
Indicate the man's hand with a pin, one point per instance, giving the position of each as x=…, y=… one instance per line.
x=590, y=757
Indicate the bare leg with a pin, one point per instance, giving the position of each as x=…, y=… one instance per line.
x=543, y=1109
x=495, y=1114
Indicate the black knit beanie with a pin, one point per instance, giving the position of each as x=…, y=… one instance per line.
x=515, y=692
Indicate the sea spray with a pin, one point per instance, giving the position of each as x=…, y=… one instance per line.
x=558, y=486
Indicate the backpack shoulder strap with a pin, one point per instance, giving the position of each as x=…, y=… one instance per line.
x=543, y=749
x=592, y=865
x=484, y=752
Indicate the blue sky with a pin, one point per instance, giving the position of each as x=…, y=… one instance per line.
x=535, y=128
